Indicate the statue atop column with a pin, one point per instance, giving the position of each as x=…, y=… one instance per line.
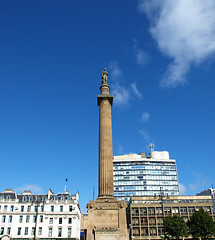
x=104, y=76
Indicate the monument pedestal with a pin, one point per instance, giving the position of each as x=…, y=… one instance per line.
x=107, y=219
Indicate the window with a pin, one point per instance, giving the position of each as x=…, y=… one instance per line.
x=27, y=218
x=61, y=208
x=19, y=231
x=60, y=220
x=22, y=208
x=70, y=208
x=40, y=231
x=52, y=208
x=2, y=231
x=33, y=231
x=35, y=208
x=42, y=208
x=5, y=208
x=69, y=232
x=11, y=208
x=69, y=220
x=26, y=230
x=50, y=220
x=59, y=232
x=41, y=219
x=29, y=209
x=50, y=232
x=8, y=230
x=20, y=218
x=10, y=219
x=34, y=219
x=3, y=219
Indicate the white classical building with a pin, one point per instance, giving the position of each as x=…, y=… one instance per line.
x=47, y=216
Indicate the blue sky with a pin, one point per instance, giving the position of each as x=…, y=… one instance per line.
x=160, y=60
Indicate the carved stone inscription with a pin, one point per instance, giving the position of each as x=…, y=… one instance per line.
x=107, y=218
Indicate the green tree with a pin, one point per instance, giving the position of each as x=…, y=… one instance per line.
x=201, y=224
x=176, y=226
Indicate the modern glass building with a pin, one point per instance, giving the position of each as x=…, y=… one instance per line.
x=141, y=175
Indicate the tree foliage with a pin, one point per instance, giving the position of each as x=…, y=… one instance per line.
x=176, y=226
x=201, y=224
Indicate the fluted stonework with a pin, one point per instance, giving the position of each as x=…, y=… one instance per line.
x=105, y=143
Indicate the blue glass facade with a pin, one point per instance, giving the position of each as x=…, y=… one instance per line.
x=137, y=176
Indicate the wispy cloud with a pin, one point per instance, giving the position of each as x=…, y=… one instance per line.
x=142, y=57
x=135, y=90
x=188, y=37
x=145, y=135
x=120, y=149
x=199, y=182
x=122, y=94
x=182, y=189
x=116, y=71
x=34, y=188
x=145, y=117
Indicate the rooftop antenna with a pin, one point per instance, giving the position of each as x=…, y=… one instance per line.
x=151, y=146
x=93, y=193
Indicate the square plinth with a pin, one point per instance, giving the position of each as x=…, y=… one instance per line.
x=107, y=219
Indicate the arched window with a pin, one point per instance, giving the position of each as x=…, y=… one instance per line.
x=69, y=197
x=8, y=197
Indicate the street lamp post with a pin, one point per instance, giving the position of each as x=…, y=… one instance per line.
x=161, y=196
x=164, y=227
x=37, y=204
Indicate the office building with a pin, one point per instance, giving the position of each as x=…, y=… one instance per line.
x=44, y=216
x=208, y=192
x=145, y=214
x=141, y=175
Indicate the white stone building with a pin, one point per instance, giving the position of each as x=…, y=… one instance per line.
x=44, y=216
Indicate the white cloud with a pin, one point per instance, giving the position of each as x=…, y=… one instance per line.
x=122, y=94
x=135, y=90
x=184, y=31
x=116, y=71
x=145, y=117
x=142, y=57
x=34, y=188
x=120, y=149
x=199, y=182
x=145, y=135
x=182, y=189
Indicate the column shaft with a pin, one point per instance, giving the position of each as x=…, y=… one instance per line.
x=105, y=150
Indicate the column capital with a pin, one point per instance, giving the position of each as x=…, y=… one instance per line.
x=100, y=98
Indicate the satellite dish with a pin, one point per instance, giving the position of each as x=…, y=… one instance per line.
x=151, y=146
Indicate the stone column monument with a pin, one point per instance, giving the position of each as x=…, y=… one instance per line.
x=106, y=215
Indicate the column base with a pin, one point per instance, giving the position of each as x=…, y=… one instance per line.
x=107, y=219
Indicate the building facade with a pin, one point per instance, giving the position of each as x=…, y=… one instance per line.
x=48, y=216
x=208, y=192
x=145, y=214
x=141, y=175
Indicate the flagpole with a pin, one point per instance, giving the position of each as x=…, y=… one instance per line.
x=66, y=179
